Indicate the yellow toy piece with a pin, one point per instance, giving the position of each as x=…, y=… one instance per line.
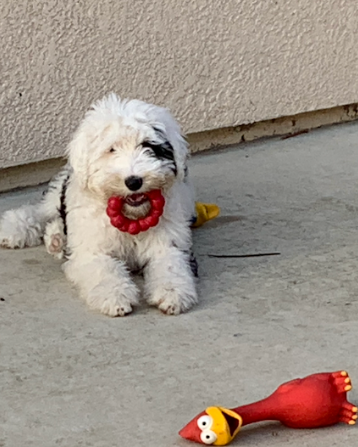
x=205, y=212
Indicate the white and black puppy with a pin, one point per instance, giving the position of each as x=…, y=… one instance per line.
x=121, y=148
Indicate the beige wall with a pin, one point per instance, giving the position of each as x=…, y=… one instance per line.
x=213, y=63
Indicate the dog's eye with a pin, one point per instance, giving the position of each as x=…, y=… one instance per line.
x=112, y=150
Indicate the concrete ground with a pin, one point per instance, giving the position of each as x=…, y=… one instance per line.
x=70, y=377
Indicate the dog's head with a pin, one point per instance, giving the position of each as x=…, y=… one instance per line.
x=127, y=148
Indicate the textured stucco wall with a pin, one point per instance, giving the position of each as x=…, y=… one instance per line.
x=214, y=64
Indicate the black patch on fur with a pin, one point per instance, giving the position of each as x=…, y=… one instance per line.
x=186, y=172
x=49, y=188
x=194, y=265
x=192, y=221
x=162, y=151
x=62, y=209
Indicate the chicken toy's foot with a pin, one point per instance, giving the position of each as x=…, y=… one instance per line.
x=342, y=381
x=348, y=414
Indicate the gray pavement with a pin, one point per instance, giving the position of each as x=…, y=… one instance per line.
x=71, y=377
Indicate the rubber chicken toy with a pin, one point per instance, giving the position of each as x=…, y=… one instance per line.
x=318, y=400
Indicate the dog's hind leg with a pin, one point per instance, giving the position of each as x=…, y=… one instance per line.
x=25, y=226
x=22, y=227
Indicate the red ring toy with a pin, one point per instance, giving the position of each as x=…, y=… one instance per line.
x=123, y=223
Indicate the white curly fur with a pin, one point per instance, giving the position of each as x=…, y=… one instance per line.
x=100, y=257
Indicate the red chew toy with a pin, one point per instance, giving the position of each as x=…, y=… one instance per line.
x=315, y=401
x=123, y=223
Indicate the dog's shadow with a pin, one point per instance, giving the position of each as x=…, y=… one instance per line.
x=225, y=247
x=274, y=433
x=223, y=220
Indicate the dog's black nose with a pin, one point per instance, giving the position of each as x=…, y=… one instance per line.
x=133, y=182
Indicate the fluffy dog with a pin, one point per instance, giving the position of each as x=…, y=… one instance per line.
x=122, y=148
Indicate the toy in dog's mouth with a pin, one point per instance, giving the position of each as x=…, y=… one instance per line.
x=136, y=199
x=131, y=226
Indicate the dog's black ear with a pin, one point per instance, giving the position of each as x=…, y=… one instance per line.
x=162, y=149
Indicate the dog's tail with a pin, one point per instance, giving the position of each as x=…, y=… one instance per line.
x=25, y=226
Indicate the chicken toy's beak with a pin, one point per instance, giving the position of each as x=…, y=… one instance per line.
x=225, y=425
x=190, y=432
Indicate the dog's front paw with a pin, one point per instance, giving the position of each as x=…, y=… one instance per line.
x=117, y=307
x=172, y=302
x=114, y=303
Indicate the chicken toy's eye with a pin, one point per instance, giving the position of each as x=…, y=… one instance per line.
x=208, y=437
x=205, y=422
